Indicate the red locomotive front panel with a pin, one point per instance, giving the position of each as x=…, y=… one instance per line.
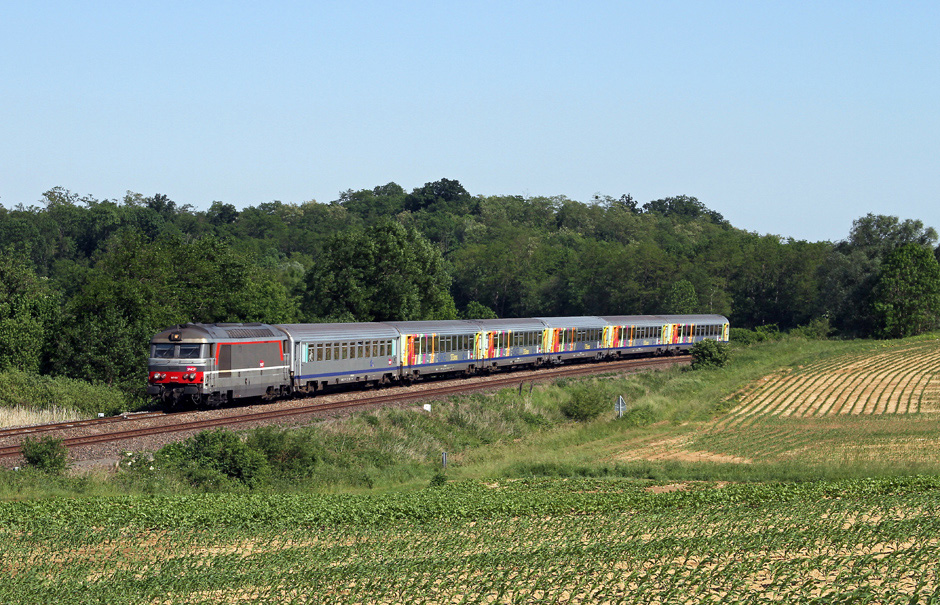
x=190, y=376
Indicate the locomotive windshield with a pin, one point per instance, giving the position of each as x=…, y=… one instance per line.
x=183, y=351
x=189, y=351
x=162, y=351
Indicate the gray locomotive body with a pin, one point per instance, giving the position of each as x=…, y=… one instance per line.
x=213, y=363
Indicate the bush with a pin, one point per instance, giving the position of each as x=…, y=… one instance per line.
x=287, y=451
x=758, y=334
x=47, y=454
x=817, y=329
x=640, y=415
x=587, y=402
x=709, y=354
x=438, y=480
x=210, y=458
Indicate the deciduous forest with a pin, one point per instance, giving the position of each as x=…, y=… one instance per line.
x=85, y=282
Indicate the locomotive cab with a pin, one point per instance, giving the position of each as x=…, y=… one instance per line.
x=180, y=361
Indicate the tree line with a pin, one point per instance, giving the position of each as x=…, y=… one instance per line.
x=84, y=282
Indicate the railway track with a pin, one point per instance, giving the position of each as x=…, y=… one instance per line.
x=121, y=428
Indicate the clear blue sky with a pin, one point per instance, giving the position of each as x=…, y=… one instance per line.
x=788, y=118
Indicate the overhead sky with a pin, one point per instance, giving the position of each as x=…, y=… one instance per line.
x=787, y=118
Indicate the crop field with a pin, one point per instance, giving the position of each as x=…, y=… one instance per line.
x=875, y=410
x=903, y=379
x=564, y=541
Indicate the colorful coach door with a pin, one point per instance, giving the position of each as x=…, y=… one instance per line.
x=668, y=331
x=408, y=355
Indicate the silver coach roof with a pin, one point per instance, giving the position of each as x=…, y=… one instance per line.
x=339, y=331
x=573, y=322
x=455, y=326
x=659, y=320
x=522, y=324
x=634, y=320
x=694, y=319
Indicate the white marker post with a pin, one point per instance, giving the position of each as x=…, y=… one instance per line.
x=620, y=407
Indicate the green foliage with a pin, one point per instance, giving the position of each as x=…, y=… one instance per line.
x=907, y=295
x=216, y=460
x=745, y=336
x=681, y=299
x=587, y=401
x=289, y=453
x=850, y=273
x=439, y=479
x=475, y=310
x=385, y=272
x=28, y=313
x=46, y=392
x=817, y=329
x=682, y=206
x=709, y=354
x=47, y=454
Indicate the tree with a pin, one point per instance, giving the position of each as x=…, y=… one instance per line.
x=385, y=272
x=907, y=295
x=681, y=299
x=849, y=275
x=683, y=206
x=445, y=194
x=28, y=310
x=878, y=235
x=222, y=214
x=381, y=201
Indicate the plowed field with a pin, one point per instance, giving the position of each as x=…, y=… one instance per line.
x=900, y=380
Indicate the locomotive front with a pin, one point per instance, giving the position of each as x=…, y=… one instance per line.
x=179, y=360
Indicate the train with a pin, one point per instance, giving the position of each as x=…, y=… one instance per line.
x=213, y=364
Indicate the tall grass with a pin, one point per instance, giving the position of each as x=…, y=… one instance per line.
x=59, y=395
